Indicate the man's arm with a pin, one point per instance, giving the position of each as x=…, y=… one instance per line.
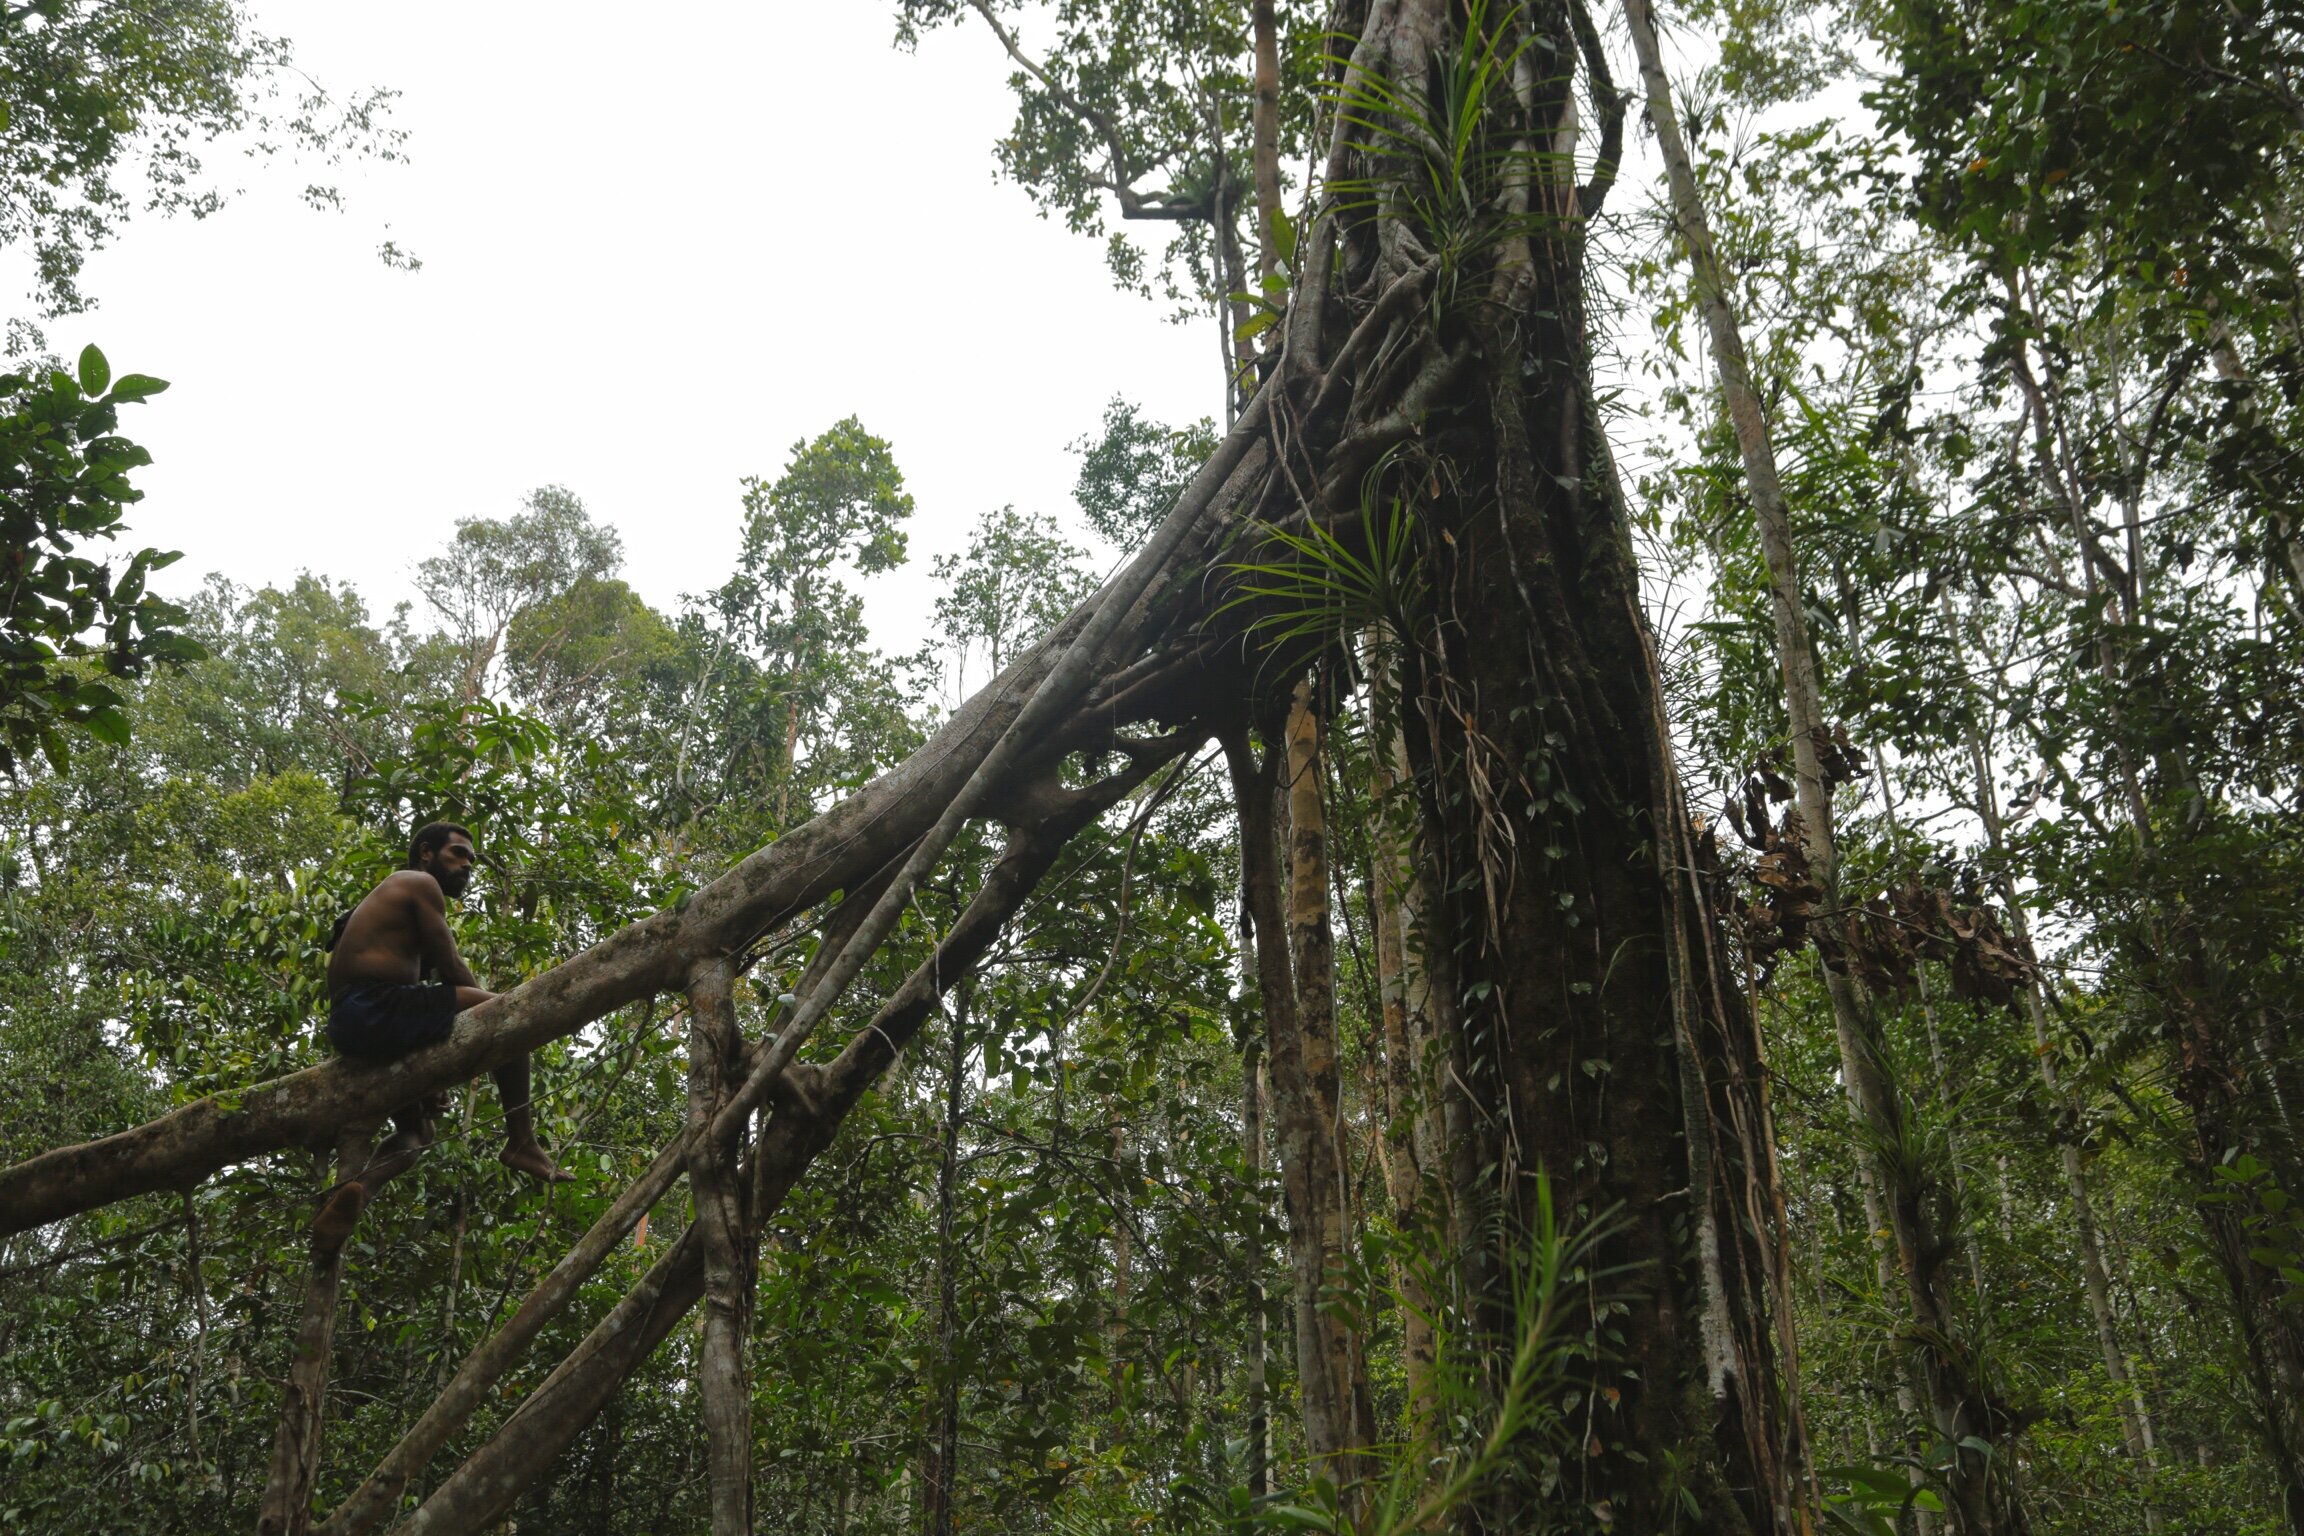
x=433, y=940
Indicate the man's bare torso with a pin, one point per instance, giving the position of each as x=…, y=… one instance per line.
x=385, y=940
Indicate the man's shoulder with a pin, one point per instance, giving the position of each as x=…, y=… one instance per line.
x=410, y=885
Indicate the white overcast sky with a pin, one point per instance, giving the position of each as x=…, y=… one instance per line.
x=658, y=249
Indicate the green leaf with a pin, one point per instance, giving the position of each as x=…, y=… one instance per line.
x=135, y=386
x=95, y=373
x=109, y=724
x=1284, y=238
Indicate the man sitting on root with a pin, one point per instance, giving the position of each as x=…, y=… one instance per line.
x=396, y=983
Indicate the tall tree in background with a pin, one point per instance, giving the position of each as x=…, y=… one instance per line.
x=1959, y=1404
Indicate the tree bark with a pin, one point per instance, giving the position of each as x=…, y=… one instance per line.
x=725, y=1239
x=1304, y=1108
x=286, y=1509
x=1411, y=1125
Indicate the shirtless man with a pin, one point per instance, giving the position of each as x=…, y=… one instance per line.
x=382, y=1006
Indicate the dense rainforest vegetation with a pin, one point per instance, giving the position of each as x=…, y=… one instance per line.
x=1666, y=894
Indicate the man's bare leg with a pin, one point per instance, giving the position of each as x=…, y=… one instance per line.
x=340, y=1208
x=521, y=1148
x=522, y=1151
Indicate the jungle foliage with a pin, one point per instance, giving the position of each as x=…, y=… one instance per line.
x=2020, y=290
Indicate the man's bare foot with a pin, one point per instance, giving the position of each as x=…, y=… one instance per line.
x=529, y=1159
x=339, y=1213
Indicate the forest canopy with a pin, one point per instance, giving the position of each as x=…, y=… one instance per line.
x=1654, y=884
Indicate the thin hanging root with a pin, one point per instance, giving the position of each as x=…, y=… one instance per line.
x=287, y=1506
x=715, y=1184
x=493, y=1477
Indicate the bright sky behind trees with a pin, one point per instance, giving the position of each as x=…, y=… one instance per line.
x=655, y=256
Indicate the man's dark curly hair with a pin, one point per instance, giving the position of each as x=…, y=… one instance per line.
x=432, y=837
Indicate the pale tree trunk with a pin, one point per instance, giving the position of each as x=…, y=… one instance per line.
x=1318, y=1107
x=1252, y=1153
x=943, y=1459
x=1304, y=1108
x=286, y=1509
x=1982, y=1507
x=715, y=1047
x=1411, y=1130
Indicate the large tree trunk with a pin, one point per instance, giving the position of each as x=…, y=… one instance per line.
x=1606, y=1056
x=1602, y=1063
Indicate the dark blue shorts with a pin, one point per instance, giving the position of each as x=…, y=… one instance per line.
x=380, y=1020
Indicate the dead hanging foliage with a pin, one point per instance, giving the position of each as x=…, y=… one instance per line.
x=1883, y=942
x=1777, y=913
x=1777, y=900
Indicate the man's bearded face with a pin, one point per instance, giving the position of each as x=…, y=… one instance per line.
x=451, y=865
